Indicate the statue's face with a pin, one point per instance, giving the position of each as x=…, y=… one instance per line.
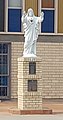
x=30, y=12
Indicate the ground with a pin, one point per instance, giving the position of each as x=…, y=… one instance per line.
x=56, y=106
x=31, y=117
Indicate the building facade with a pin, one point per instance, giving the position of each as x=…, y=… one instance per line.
x=49, y=45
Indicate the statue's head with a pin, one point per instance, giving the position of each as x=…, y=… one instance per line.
x=30, y=12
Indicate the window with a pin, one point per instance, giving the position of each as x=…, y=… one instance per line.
x=48, y=23
x=32, y=85
x=10, y=15
x=14, y=15
x=32, y=68
x=14, y=20
x=4, y=69
x=48, y=7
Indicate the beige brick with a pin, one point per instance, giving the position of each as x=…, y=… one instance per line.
x=52, y=67
x=31, y=100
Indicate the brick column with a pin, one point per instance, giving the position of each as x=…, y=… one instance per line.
x=29, y=100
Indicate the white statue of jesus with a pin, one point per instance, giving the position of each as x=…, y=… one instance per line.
x=31, y=25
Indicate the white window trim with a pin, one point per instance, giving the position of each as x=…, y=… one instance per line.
x=55, y=16
x=6, y=16
x=47, y=8
x=14, y=7
x=39, y=11
x=23, y=2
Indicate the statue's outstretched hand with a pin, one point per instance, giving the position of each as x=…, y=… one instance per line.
x=42, y=14
x=24, y=14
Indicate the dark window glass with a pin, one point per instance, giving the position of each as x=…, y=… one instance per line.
x=2, y=8
x=47, y=3
x=0, y=80
x=3, y=48
x=3, y=69
x=3, y=80
x=3, y=91
x=48, y=23
x=32, y=68
x=14, y=20
x=0, y=59
x=5, y=61
x=32, y=85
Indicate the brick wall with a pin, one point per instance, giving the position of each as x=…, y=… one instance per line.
x=16, y=51
x=52, y=69
x=52, y=66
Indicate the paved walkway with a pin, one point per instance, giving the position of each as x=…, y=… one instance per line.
x=57, y=107
x=55, y=104
x=6, y=105
x=31, y=117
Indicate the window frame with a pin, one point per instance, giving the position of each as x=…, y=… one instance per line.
x=55, y=14
x=32, y=65
x=6, y=14
x=30, y=82
x=48, y=23
x=6, y=74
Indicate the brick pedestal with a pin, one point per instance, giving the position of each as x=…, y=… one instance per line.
x=29, y=100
